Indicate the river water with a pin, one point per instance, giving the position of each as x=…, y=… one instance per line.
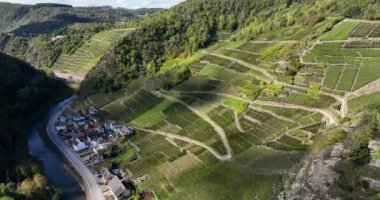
x=53, y=166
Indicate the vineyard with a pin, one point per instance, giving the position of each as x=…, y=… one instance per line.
x=238, y=116
x=86, y=57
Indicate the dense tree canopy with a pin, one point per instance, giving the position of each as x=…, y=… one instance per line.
x=193, y=25
x=25, y=95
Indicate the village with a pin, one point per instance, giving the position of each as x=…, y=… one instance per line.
x=88, y=138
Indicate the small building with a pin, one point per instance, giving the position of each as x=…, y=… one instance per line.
x=106, y=176
x=62, y=119
x=117, y=188
x=115, y=126
x=79, y=145
x=120, y=129
x=126, y=131
x=81, y=123
x=61, y=128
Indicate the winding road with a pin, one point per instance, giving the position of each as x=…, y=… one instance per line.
x=93, y=191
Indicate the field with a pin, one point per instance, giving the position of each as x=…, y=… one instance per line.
x=356, y=66
x=362, y=30
x=358, y=103
x=264, y=55
x=341, y=31
x=83, y=59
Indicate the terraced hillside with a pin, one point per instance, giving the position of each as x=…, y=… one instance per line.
x=79, y=63
x=350, y=57
x=248, y=112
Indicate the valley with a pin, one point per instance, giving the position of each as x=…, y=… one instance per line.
x=204, y=100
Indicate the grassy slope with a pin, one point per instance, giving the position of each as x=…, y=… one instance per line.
x=341, y=31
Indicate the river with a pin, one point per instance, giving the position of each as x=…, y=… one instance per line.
x=53, y=165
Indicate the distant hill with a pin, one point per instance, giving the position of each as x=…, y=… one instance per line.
x=31, y=20
x=29, y=32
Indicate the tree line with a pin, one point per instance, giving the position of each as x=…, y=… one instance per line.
x=193, y=25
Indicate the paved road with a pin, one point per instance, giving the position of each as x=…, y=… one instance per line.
x=93, y=191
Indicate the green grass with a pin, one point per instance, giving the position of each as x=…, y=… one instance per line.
x=377, y=153
x=329, y=138
x=332, y=76
x=333, y=53
x=362, y=30
x=130, y=107
x=340, y=31
x=366, y=75
x=253, y=173
x=347, y=79
x=153, y=116
x=299, y=134
x=237, y=105
x=291, y=143
x=86, y=57
x=363, y=101
x=295, y=114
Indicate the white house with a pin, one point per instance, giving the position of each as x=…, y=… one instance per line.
x=62, y=119
x=78, y=145
x=61, y=128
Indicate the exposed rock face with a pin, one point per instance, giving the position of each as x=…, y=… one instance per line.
x=373, y=184
x=317, y=173
x=373, y=145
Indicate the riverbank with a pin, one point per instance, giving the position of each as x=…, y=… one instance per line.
x=92, y=189
x=57, y=169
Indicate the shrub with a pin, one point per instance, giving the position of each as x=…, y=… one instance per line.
x=377, y=153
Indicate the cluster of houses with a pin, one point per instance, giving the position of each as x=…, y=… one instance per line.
x=83, y=132
x=88, y=137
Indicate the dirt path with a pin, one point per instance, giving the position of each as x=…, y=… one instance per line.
x=239, y=50
x=68, y=76
x=273, y=41
x=254, y=67
x=271, y=113
x=237, y=122
x=226, y=157
x=216, y=126
x=271, y=77
x=331, y=117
